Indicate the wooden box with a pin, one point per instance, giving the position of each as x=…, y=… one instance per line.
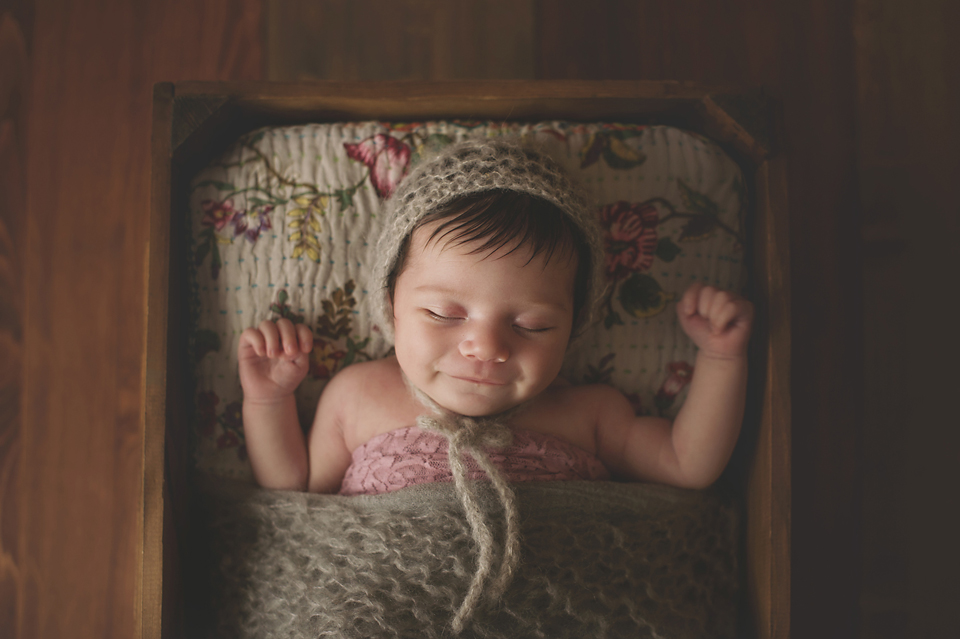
x=193, y=122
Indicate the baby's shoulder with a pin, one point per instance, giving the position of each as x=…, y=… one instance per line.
x=367, y=399
x=587, y=395
x=596, y=403
x=360, y=386
x=571, y=413
x=365, y=378
x=580, y=404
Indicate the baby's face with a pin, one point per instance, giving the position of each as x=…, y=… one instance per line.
x=481, y=333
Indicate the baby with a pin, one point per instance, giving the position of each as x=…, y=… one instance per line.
x=489, y=267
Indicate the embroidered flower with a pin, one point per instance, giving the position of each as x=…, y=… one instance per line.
x=233, y=416
x=252, y=223
x=680, y=374
x=386, y=157
x=232, y=422
x=228, y=439
x=602, y=372
x=325, y=359
x=218, y=214
x=310, y=205
x=283, y=309
x=610, y=143
x=305, y=222
x=630, y=237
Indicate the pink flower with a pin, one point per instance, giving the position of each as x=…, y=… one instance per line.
x=218, y=214
x=386, y=156
x=630, y=237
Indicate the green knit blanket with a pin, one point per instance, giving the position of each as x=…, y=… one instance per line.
x=599, y=559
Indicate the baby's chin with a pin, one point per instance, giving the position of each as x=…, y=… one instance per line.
x=475, y=406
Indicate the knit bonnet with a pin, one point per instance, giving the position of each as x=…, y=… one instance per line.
x=473, y=166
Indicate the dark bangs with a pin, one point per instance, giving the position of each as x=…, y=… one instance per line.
x=509, y=220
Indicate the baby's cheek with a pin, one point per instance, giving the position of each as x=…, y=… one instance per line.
x=403, y=346
x=415, y=349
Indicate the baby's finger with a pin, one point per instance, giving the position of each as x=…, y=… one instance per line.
x=690, y=300
x=288, y=337
x=706, y=300
x=271, y=338
x=724, y=315
x=252, y=338
x=305, y=337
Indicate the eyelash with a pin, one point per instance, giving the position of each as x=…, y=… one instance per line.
x=533, y=330
x=442, y=318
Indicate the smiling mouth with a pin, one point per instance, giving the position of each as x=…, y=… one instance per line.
x=482, y=382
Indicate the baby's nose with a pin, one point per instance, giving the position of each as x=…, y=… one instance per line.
x=485, y=343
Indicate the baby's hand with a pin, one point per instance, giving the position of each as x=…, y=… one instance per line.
x=717, y=321
x=274, y=359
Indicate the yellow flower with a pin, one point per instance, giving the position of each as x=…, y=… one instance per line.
x=306, y=221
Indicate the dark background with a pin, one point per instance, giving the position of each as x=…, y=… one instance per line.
x=871, y=95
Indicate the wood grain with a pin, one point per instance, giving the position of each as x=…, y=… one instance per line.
x=94, y=65
x=707, y=42
x=769, y=492
x=818, y=88
x=399, y=40
x=908, y=98
x=13, y=84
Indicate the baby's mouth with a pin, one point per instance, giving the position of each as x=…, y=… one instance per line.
x=483, y=381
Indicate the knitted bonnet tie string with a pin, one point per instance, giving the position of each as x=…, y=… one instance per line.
x=471, y=435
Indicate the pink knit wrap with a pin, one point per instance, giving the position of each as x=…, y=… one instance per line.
x=411, y=456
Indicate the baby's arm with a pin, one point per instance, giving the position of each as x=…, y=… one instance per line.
x=329, y=456
x=695, y=449
x=273, y=361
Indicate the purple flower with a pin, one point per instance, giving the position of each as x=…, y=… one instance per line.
x=251, y=223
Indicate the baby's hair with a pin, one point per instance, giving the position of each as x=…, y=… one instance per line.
x=501, y=219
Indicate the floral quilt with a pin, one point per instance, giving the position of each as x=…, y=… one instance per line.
x=285, y=223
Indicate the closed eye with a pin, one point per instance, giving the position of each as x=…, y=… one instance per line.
x=525, y=329
x=440, y=318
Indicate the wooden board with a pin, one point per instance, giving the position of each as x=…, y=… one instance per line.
x=371, y=40
x=13, y=224
x=88, y=180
